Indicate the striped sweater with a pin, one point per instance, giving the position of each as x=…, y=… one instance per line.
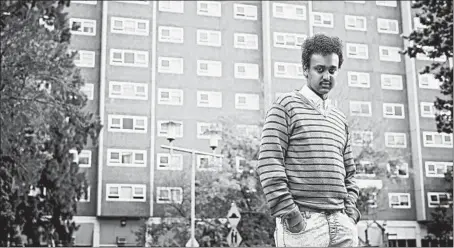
x=305, y=158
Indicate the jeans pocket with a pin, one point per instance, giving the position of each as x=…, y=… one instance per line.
x=288, y=231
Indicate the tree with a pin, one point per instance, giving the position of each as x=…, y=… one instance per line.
x=440, y=227
x=378, y=171
x=42, y=118
x=386, y=169
x=434, y=40
x=214, y=196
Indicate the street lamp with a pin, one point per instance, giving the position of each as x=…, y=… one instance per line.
x=214, y=133
x=171, y=134
x=214, y=139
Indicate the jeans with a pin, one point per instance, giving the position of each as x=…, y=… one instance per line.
x=325, y=229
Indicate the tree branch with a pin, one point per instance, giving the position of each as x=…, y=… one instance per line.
x=27, y=100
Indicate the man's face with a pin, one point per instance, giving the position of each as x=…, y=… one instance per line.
x=322, y=72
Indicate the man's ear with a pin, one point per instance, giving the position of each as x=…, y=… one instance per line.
x=305, y=72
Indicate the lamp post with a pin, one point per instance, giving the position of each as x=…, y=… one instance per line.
x=214, y=139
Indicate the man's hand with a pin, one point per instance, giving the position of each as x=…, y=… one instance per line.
x=295, y=221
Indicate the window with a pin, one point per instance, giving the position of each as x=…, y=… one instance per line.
x=209, y=68
x=88, y=90
x=289, y=11
x=247, y=101
x=126, y=158
x=170, y=65
x=246, y=71
x=130, y=26
x=361, y=138
x=171, y=34
x=170, y=96
x=127, y=124
x=163, y=129
x=171, y=6
x=209, y=38
x=126, y=192
x=399, y=200
x=244, y=12
x=169, y=195
x=248, y=130
x=387, y=3
x=393, y=110
x=428, y=81
x=85, y=197
x=365, y=169
x=398, y=170
x=395, y=140
x=359, y=108
x=435, y=139
x=85, y=59
x=208, y=163
x=203, y=127
x=387, y=26
x=372, y=200
x=427, y=53
x=391, y=82
x=357, y=51
x=246, y=41
x=85, y=2
x=129, y=58
x=439, y=199
x=358, y=79
x=288, y=70
x=427, y=109
x=288, y=40
x=209, y=8
x=83, y=158
x=83, y=26
x=437, y=169
x=355, y=23
x=320, y=19
x=240, y=164
x=209, y=99
x=136, y=2
x=389, y=53
x=128, y=90
x=166, y=163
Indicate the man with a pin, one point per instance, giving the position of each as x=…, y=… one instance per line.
x=306, y=166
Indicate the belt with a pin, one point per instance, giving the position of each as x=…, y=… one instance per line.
x=308, y=213
x=321, y=211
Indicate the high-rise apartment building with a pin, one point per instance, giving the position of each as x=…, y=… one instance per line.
x=148, y=62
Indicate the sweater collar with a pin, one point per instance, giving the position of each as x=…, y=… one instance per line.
x=314, y=98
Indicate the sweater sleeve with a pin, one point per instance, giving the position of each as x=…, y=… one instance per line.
x=271, y=167
x=350, y=182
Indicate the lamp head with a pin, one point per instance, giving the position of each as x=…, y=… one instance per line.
x=214, y=132
x=171, y=130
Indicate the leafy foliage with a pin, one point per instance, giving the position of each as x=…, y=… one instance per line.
x=214, y=195
x=42, y=118
x=383, y=167
x=440, y=226
x=435, y=41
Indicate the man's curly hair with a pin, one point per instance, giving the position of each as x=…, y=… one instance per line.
x=321, y=44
